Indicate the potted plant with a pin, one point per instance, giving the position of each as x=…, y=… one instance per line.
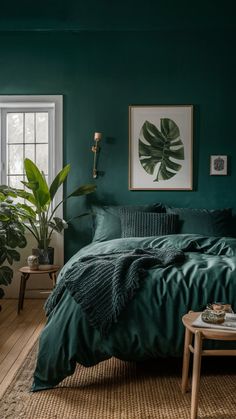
x=38, y=215
x=11, y=236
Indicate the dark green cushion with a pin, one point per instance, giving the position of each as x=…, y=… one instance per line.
x=107, y=222
x=143, y=224
x=203, y=221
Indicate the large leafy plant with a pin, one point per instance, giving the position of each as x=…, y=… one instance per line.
x=37, y=213
x=161, y=147
x=11, y=236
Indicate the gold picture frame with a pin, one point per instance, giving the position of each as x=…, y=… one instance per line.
x=160, y=147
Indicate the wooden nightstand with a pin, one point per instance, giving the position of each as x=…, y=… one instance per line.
x=200, y=334
x=25, y=274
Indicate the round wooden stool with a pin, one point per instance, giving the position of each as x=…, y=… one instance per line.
x=200, y=333
x=25, y=274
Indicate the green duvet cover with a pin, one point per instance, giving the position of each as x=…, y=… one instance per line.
x=150, y=325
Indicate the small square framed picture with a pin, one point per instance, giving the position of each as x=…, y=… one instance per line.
x=218, y=165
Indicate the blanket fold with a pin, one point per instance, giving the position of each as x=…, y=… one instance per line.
x=103, y=284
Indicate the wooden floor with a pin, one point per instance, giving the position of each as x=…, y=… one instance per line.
x=18, y=333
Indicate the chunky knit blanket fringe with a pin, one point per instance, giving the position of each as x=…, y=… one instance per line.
x=103, y=284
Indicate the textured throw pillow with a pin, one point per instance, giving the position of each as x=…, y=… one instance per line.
x=203, y=221
x=107, y=219
x=143, y=224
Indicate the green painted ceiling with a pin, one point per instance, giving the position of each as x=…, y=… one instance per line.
x=80, y=15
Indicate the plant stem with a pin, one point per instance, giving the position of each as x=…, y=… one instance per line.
x=28, y=228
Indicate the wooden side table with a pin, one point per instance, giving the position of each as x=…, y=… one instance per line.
x=25, y=274
x=200, y=334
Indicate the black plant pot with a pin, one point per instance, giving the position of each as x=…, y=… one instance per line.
x=45, y=256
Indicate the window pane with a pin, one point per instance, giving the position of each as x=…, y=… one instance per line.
x=29, y=127
x=41, y=127
x=15, y=182
x=15, y=127
x=42, y=157
x=29, y=152
x=15, y=159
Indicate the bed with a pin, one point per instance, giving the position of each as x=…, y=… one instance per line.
x=149, y=324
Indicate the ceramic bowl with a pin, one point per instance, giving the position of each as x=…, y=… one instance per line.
x=213, y=316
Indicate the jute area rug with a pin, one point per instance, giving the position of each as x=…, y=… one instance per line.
x=115, y=389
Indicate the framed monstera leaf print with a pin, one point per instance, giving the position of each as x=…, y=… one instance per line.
x=160, y=147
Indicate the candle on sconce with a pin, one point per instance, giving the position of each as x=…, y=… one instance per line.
x=97, y=136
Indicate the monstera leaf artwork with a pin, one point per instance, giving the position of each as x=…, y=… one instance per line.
x=161, y=150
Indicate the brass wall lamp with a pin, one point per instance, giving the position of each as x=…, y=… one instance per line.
x=95, y=149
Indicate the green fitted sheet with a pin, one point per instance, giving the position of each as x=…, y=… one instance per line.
x=150, y=326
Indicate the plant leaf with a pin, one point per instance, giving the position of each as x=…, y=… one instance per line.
x=83, y=190
x=41, y=194
x=26, y=195
x=6, y=275
x=169, y=129
x=9, y=258
x=4, y=217
x=14, y=254
x=3, y=255
x=78, y=216
x=59, y=179
x=15, y=238
x=25, y=211
x=7, y=191
x=3, y=236
x=58, y=224
x=151, y=133
x=161, y=148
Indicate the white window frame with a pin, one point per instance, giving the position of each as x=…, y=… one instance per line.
x=33, y=103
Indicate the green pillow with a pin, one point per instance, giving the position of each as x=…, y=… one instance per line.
x=203, y=221
x=107, y=221
x=144, y=224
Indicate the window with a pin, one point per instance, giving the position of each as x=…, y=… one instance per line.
x=26, y=135
x=30, y=126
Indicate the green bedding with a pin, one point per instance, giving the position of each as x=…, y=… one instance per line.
x=150, y=325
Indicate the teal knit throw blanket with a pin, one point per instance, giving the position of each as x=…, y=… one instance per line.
x=103, y=284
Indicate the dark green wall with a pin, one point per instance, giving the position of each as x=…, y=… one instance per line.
x=100, y=74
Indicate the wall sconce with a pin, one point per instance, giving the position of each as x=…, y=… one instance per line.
x=95, y=150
